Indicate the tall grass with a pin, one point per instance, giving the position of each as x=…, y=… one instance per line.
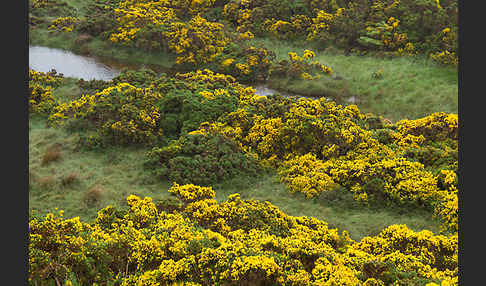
x=410, y=87
x=82, y=182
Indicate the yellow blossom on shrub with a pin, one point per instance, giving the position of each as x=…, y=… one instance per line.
x=189, y=193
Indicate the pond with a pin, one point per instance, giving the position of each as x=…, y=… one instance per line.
x=44, y=59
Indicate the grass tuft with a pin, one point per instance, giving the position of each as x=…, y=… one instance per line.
x=93, y=196
x=53, y=153
x=69, y=179
x=47, y=182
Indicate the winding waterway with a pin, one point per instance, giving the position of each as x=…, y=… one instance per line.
x=44, y=59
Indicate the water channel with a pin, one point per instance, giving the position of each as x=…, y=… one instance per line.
x=45, y=59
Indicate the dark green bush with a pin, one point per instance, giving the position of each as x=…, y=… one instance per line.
x=200, y=159
x=139, y=78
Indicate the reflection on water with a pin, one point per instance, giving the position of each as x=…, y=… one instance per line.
x=263, y=90
x=44, y=59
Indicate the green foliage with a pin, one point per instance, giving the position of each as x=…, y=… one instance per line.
x=142, y=77
x=92, y=85
x=139, y=107
x=185, y=110
x=50, y=8
x=200, y=159
x=100, y=18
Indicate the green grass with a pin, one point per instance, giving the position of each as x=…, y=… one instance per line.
x=338, y=209
x=82, y=182
x=116, y=172
x=410, y=87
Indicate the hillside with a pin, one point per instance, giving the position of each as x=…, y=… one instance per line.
x=183, y=175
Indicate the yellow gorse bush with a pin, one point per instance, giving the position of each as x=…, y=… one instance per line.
x=198, y=41
x=233, y=242
x=301, y=67
x=249, y=65
x=65, y=24
x=41, y=86
x=122, y=111
x=194, y=41
x=296, y=26
x=318, y=145
x=189, y=193
x=306, y=174
x=321, y=23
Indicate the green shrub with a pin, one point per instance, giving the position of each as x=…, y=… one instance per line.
x=200, y=159
x=138, y=107
x=139, y=78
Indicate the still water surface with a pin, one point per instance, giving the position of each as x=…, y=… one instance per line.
x=45, y=59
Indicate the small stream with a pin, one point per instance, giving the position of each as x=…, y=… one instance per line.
x=45, y=59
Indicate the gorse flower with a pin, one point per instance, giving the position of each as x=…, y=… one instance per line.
x=231, y=242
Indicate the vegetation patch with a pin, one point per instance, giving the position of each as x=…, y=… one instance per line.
x=236, y=242
x=261, y=190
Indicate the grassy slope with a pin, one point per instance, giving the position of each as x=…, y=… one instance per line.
x=109, y=176
x=410, y=87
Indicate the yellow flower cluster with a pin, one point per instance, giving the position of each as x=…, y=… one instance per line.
x=301, y=66
x=189, y=193
x=235, y=242
x=387, y=33
x=41, y=86
x=448, y=207
x=194, y=41
x=65, y=24
x=306, y=174
x=50, y=78
x=437, y=126
x=38, y=3
x=446, y=53
x=322, y=22
x=40, y=98
x=215, y=94
x=123, y=111
x=243, y=68
x=132, y=16
x=249, y=64
x=246, y=35
x=445, y=57
x=197, y=41
x=280, y=28
x=318, y=145
x=227, y=62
